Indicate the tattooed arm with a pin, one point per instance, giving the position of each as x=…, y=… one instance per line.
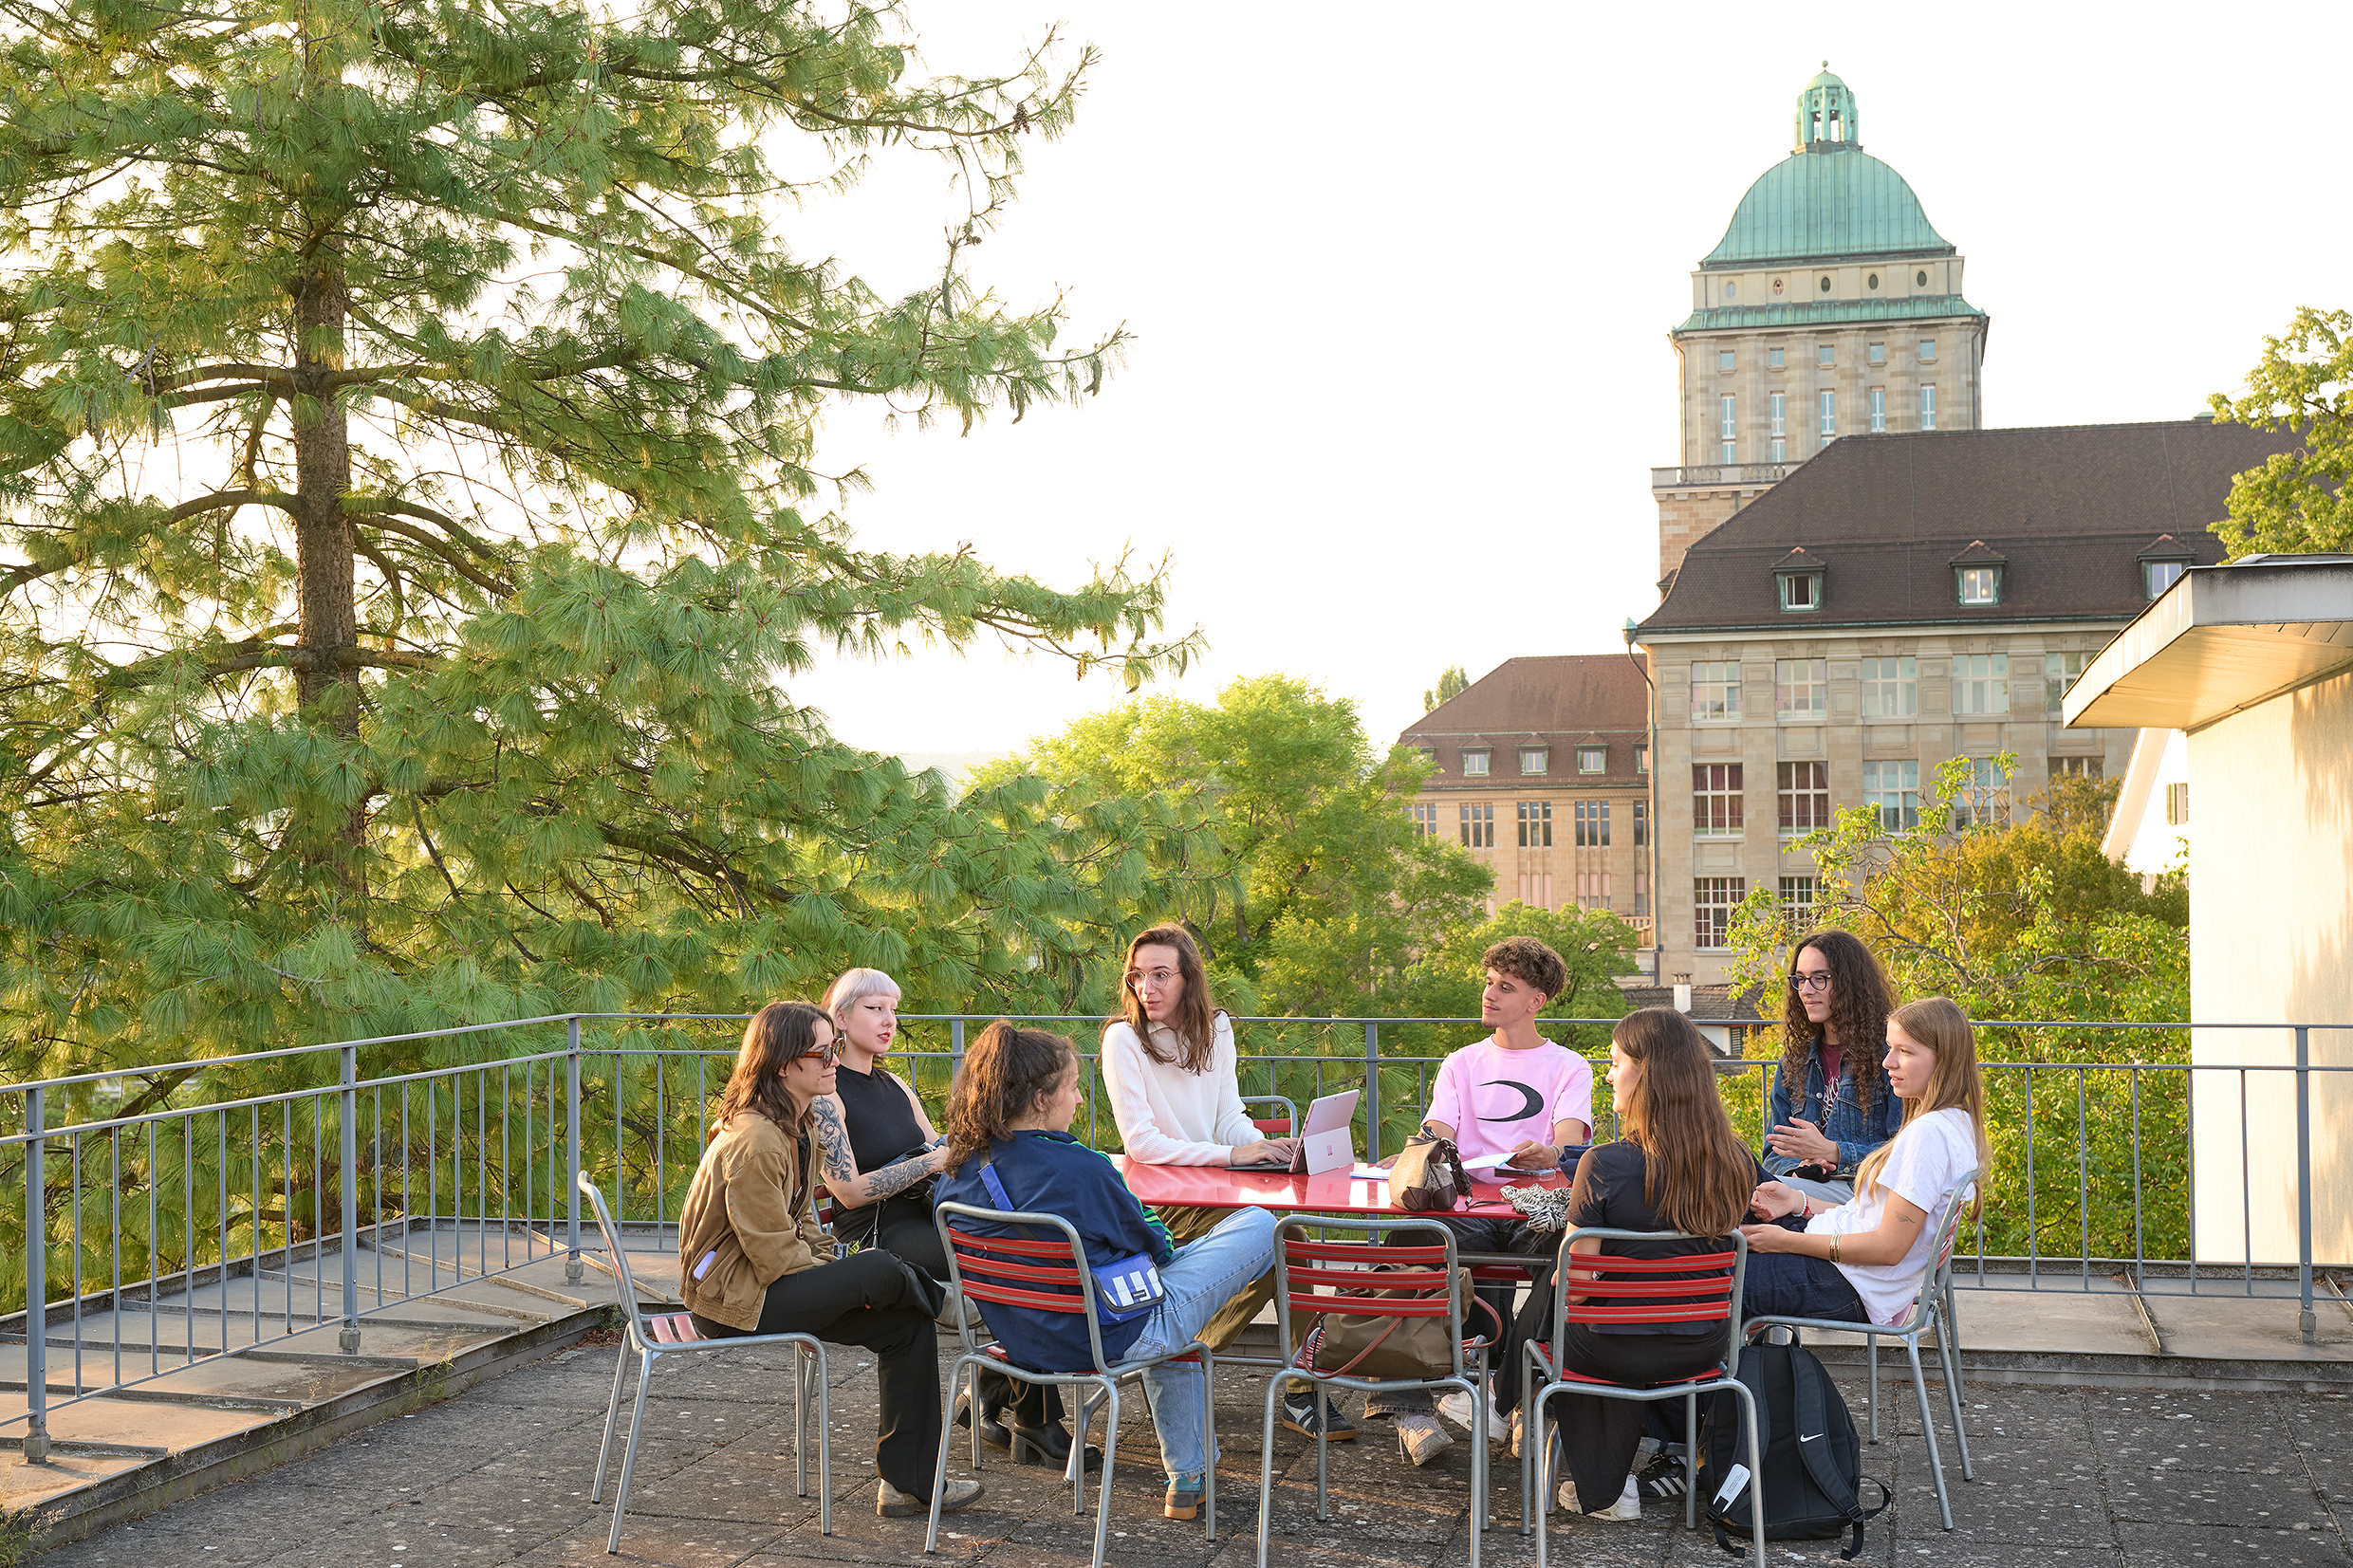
x=839, y=1165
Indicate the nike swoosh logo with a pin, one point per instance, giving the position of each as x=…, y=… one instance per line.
x=1816, y=1438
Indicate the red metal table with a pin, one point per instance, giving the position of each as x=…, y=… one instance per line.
x=1288, y=1192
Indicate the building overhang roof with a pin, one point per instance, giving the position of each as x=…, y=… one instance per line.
x=2219, y=641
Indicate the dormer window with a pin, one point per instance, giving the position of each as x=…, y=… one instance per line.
x=1980, y=585
x=2162, y=564
x=1797, y=582
x=1475, y=762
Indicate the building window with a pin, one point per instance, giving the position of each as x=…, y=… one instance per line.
x=1825, y=355
x=1797, y=904
x=1979, y=584
x=1829, y=415
x=1642, y=759
x=1535, y=759
x=1536, y=888
x=1801, y=688
x=1724, y=359
x=1879, y=354
x=1777, y=407
x=1781, y=452
x=1592, y=824
x=1593, y=759
x=1893, y=789
x=2077, y=767
x=1642, y=893
x=1799, y=590
x=1891, y=687
x=2061, y=670
x=2178, y=804
x=1715, y=800
x=1928, y=408
x=1774, y=358
x=1642, y=824
x=1535, y=825
x=1805, y=790
x=1728, y=428
x=1475, y=764
x=2157, y=575
x=1984, y=800
x=1879, y=411
x=1425, y=816
x=1981, y=683
x=1928, y=351
x=1593, y=890
x=1714, y=898
x=1478, y=827
x=1715, y=690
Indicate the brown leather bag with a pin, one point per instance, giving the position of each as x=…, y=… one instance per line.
x=1428, y=1174
x=1389, y=1347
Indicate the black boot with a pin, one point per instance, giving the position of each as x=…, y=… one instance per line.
x=993, y=1428
x=1047, y=1445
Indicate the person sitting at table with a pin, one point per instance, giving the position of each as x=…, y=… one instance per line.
x=1862, y=1260
x=879, y=1156
x=1830, y=1106
x=1170, y=1066
x=1010, y=1112
x=1679, y=1165
x=750, y=1251
x=1514, y=1095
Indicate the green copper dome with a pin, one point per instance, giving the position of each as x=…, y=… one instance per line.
x=1830, y=200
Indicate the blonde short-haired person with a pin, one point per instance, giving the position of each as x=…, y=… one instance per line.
x=1862, y=1260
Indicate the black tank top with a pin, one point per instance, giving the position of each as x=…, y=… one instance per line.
x=880, y=1120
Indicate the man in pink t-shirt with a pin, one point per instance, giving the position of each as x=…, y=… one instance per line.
x=1514, y=1093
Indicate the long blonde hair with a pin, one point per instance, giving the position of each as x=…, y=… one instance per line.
x=1938, y=1024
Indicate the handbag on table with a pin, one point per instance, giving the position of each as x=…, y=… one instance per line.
x=1427, y=1175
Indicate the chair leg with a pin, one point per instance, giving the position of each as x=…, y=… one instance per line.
x=1209, y=1423
x=1950, y=1325
x=1322, y=1449
x=629, y=1451
x=824, y=1441
x=1479, y=1466
x=1951, y=1354
x=1529, y=1427
x=1535, y=1441
x=1871, y=1354
x=1691, y=1461
x=1266, y=1467
x=1076, y=1472
x=800, y=1421
x=612, y=1417
x=1928, y=1430
x=947, y=1436
x=1756, y=1473
x=1111, y=1457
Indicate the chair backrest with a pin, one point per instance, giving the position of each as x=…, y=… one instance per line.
x=1415, y=1280
x=619, y=1259
x=1041, y=1268
x=1275, y=1127
x=1621, y=1290
x=1948, y=1236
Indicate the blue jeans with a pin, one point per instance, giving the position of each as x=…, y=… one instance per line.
x=1789, y=1284
x=1203, y=1278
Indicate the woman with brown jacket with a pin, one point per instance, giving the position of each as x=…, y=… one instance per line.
x=753, y=1260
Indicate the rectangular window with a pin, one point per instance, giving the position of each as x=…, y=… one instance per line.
x=1642, y=893
x=2061, y=670
x=1724, y=359
x=1535, y=759
x=1928, y=351
x=1981, y=683
x=1592, y=824
x=1715, y=690
x=1805, y=790
x=1829, y=415
x=1728, y=428
x=1715, y=800
x=2178, y=804
x=1879, y=354
x=2157, y=575
x=1893, y=789
x=1980, y=585
x=1475, y=764
x=1891, y=687
x=1797, y=904
x=1642, y=824
x=1593, y=759
x=1825, y=355
x=1642, y=759
x=1984, y=800
x=1593, y=890
x=1781, y=452
x=1801, y=688
x=1478, y=827
x=1714, y=898
x=1928, y=408
x=1535, y=825
x=1536, y=888
x=1777, y=408
x=1801, y=590
x=1774, y=358
x=1879, y=411
x=1425, y=816
x=2077, y=767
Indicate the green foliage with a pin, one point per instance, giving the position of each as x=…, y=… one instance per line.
x=2297, y=501
x=2025, y=922
x=1452, y=682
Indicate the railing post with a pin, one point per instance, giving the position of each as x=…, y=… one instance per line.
x=36, y=1289
x=574, y=1270
x=1372, y=1091
x=348, y=1341
x=955, y=1046
x=2305, y=1320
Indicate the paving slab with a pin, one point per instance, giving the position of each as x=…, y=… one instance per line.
x=2261, y=1329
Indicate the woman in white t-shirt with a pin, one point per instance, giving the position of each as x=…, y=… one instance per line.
x=1862, y=1260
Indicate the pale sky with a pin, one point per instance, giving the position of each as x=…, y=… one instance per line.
x=1402, y=278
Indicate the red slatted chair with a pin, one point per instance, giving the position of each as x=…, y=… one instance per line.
x=1044, y=1274
x=1613, y=1288
x=1309, y=1276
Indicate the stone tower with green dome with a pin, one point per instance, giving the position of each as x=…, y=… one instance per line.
x=1830, y=309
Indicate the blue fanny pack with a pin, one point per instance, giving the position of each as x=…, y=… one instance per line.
x=1125, y=1289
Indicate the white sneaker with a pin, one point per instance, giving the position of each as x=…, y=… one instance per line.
x=1627, y=1508
x=1504, y=1429
x=1456, y=1406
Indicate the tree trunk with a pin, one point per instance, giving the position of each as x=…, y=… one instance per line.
x=326, y=597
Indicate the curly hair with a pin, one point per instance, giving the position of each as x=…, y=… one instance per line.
x=778, y=1035
x=1860, y=999
x=1528, y=961
x=1003, y=1072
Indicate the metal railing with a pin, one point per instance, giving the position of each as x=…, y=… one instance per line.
x=249, y=1200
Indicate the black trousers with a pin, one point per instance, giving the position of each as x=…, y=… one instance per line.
x=1599, y=1436
x=905, y=1229
x=869, y=1301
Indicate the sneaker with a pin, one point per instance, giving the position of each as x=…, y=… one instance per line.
x=1420, y=1438
x=1183, y=1499
x=1662, y=1478
x=892, y=1504
x=1456, y=1406
x=1299, y=1414
x=1627, y=1508
x=1503, y=1428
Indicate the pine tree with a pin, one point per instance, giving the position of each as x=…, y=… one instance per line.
x=406, y=424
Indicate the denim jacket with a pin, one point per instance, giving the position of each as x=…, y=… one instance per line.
x=1846, y=1124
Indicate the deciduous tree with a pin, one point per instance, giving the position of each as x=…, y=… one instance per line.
x=2297, y=501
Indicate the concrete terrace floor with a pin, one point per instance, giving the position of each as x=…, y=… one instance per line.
x=500, y=1474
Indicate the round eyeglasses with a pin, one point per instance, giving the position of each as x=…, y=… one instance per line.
x=1819, y=981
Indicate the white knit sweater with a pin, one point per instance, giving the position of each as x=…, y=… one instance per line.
x=1168, y=1116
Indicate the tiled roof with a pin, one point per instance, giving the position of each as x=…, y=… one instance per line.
x=2068, y=509
x=1561, y=700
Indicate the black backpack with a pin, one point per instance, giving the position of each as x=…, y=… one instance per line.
x=1812, y=1462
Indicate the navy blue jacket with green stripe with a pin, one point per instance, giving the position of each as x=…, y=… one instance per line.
x=1055, y=1173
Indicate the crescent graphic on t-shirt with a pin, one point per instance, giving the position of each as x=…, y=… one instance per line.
x=1533, y=1107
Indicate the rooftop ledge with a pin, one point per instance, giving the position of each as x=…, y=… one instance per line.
x=1702, y=475
x=2221, y=639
